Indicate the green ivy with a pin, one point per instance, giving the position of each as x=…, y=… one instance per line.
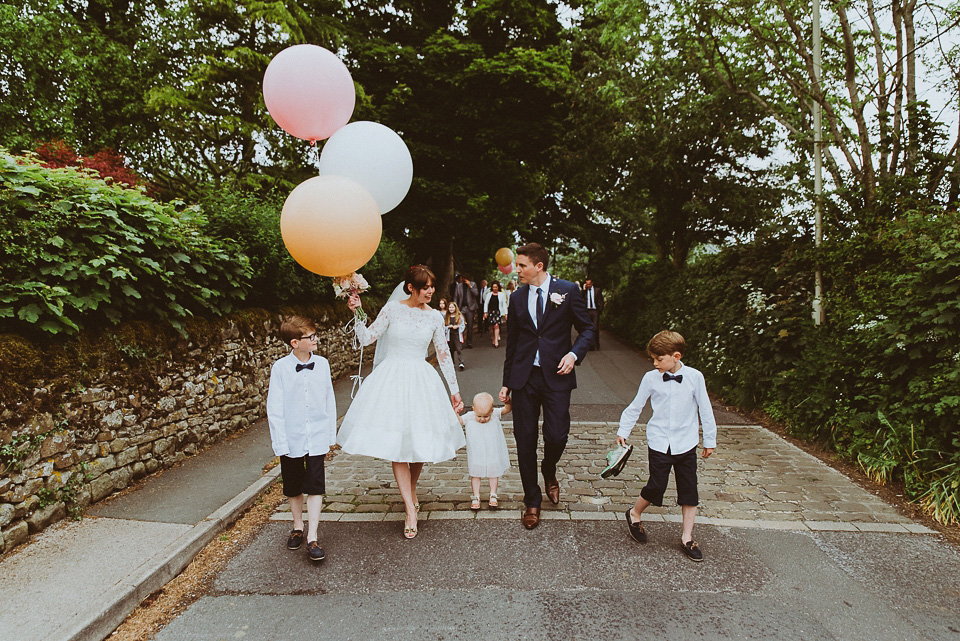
x=76, y=250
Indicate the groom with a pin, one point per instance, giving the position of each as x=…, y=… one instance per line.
x=538, y=370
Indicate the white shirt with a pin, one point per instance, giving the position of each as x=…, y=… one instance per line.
x=676, y=407
x=532, y=307
x=301, y=407
x=590, y=298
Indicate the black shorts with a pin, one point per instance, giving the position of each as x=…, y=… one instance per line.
x=303, y=475
x=684, y=471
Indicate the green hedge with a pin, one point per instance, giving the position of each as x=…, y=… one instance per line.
x=879, y=381
x=78, y=250
x=252, y=222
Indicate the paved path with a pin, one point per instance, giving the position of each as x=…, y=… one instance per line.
x=755, y=478
x=794, y=549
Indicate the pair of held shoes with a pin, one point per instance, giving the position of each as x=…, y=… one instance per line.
x=616, y=459
x=690, y=548
x=314, y=551
x=494, y=502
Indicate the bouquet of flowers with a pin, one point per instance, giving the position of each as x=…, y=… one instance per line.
x=346, y=286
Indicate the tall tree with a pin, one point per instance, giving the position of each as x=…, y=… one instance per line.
x=78, y=71
x=212, y=127
x=687, y=154
x=478, y=91
x=881, y=137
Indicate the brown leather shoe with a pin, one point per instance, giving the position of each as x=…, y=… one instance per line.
x=531, y=518
x=553, y=491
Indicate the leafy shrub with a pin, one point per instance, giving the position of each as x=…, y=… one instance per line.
x=77, y=250
x=108, y=163
x=253, y=223
x=880, y=380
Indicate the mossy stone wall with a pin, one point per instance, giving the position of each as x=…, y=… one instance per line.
x=84, y=417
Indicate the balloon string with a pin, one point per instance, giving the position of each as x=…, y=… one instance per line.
x=316, y=154
x=350, y=328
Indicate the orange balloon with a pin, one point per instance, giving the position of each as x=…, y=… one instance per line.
x=504, y=256
x=331, y=225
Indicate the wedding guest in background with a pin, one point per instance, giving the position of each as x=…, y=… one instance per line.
x=593, y=298
x=454, y=325
x=467, y=301
x=482, y=291
x=495, y=312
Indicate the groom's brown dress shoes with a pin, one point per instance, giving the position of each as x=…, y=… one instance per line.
x=553, y=491
x=531, y=518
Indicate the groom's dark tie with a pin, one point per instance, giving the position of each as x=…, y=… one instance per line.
x=301, y=366
x=667, y=376
x=539, y=307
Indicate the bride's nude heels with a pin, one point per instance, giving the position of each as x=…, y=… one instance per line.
x=409, y=532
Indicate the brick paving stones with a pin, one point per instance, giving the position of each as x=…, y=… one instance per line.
x=755, y=479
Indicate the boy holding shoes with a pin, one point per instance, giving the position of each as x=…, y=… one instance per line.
x=302, y=413
x=678, y=396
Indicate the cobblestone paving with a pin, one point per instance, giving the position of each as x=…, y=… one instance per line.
x=755, y=479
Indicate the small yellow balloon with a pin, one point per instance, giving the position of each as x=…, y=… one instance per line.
x=504, y=256
x=331, y=225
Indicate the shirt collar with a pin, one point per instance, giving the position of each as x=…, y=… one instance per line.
x=545, y=285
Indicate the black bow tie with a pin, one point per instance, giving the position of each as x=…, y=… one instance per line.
x=667, y=376
x=301, y=366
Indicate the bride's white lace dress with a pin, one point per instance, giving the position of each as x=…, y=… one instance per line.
x=403, y=412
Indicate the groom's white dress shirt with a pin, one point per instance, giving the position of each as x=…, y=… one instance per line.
x=532, y=307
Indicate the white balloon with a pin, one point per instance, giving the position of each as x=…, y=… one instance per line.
x=373, y=156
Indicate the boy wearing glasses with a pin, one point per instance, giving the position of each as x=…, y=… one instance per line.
x=302, y=413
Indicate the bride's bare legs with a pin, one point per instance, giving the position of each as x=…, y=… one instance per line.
x=415, y=469
x=406, y=475
x=496, y=336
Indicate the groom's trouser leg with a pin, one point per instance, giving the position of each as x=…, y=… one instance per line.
x=556, y=428
x=526, y=419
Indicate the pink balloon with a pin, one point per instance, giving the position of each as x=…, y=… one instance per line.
x=505, y=269
x=308, y=92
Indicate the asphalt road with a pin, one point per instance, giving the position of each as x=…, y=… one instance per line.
x=491, y=579
x=581, y=580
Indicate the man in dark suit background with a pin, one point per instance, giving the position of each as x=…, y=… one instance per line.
x=593, y=299
x=465, y=296
x=481, y=294
x=538, y=370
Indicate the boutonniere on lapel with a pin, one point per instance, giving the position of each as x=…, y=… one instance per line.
x=557, y=299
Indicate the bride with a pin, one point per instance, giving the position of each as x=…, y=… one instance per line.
x=400, y=413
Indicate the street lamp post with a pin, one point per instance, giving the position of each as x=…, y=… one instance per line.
x=817, y=164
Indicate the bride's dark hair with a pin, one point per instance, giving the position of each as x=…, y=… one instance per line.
x=418, y=277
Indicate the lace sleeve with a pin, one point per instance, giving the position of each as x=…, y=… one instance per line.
x=443, y=356
x=367, y=335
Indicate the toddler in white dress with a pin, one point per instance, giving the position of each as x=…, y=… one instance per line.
x=486, y=446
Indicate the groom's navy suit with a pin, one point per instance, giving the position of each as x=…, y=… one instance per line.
x=533, y=388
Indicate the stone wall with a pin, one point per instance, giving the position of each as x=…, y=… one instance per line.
x=105, y=435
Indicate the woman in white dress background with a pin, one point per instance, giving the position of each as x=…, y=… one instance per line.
x=401, y=413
